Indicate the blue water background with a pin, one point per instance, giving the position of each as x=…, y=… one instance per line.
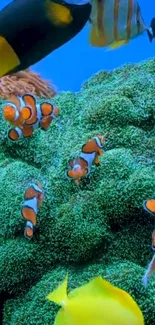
x=76, y=61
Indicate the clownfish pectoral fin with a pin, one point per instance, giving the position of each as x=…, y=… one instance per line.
x=100, y=152
x=8, y=58
x=29, y=100
x=45, y=122
x=118, y=44
x=15, y=134
x=27, y=131
x=56, y=111
x=46, y=108
x=58, y=14
x=29, y=230
x=77, y=181
x=71, y=162
x=96, y=161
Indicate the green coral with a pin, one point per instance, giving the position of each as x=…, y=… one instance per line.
x=35, y=309
x=90, y=229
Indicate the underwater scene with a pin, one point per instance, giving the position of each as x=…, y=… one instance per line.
x=77, y=163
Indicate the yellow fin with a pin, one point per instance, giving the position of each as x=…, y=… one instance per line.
x=118, y=44
x=98, y=287
x=8, y=58
x=60, y=318
x=58, y=14
x=95, y=39
x=59, y=295
x=101, y=288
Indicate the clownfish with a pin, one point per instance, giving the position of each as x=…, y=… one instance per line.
x=33, y=198
x=89, y=154
x=149, y=206
x=115, y=22
x=26, y=115
x=30, y=30
x=16, y=111
x=150, y=270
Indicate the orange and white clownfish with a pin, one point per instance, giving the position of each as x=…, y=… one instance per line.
x=89, y=154
x=16, y=111
x=150, y=270
x=33, y=116
x=33, y=198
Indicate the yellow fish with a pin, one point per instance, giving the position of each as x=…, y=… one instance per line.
x=95, y=303
x=115, y=22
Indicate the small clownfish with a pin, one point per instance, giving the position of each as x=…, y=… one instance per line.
x=150, y=270
x=149, y=206
x=33, y=198
x=89, y=154
x=33, y=115
x=153, y=241
x=16, y=111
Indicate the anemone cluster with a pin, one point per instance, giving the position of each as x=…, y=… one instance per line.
x=91, y=229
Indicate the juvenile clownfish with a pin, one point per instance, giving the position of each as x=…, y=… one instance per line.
x=37, y=28
x=89, y=154
x=97, y=302
x=149, y=206
x=33, y=198
x=16, y=111
x=25, y=115
x=150, y=270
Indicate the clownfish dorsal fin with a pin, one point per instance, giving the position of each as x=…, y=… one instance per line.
x=59, y=295
x=29, y=100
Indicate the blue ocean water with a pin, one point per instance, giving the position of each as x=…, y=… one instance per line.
x=76, y=61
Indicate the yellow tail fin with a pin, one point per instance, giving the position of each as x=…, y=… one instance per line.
x=58, y=14
x=59, y=295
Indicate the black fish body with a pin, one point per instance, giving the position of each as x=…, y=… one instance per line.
x=31, y=33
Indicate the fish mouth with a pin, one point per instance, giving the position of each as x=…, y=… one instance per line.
x=78, y=173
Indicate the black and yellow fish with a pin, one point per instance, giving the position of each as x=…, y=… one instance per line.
x=30, y=30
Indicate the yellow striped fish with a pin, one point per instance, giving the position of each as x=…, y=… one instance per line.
x=115, y=22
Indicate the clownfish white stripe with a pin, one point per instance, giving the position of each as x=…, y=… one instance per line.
x=76, y=166
x=19, y=132
x=88, y=157
x=32, y=204
x=36, y=188
x=39, y=114
x=29, y=224
x=98, y=141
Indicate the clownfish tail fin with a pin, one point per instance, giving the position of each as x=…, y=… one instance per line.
x=29, y=230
